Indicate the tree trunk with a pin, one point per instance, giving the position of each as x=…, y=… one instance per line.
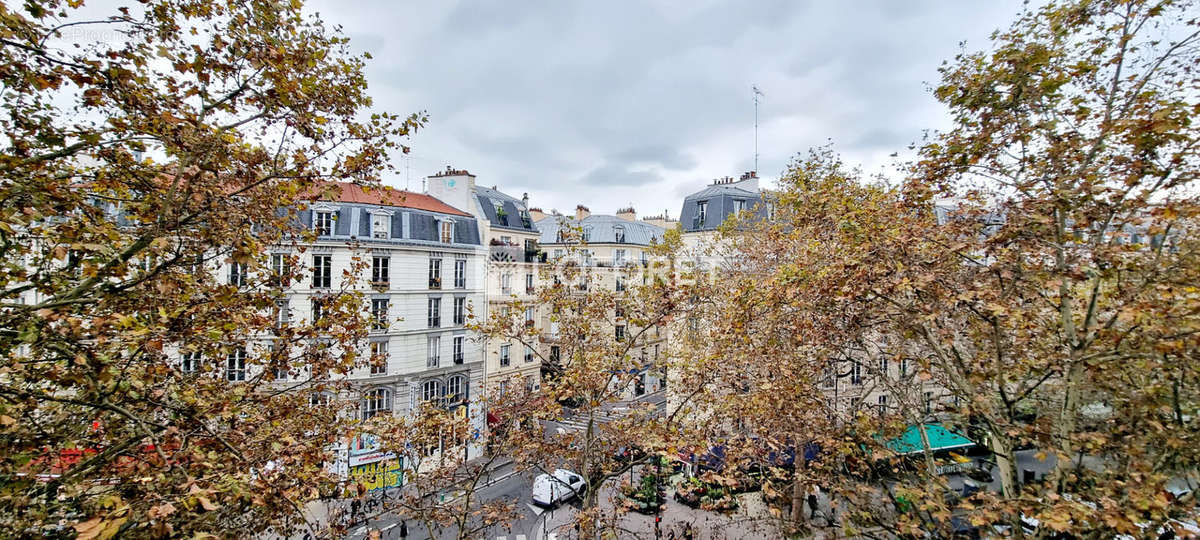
x=925, y=449
x=798, y=489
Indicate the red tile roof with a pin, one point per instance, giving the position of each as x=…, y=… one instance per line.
x=383, y=195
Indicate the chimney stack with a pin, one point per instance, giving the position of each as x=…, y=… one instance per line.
x=581, y=212
x=536, y=214
x=525, y=200
x=627, y=214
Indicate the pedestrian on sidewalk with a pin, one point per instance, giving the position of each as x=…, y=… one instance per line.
x=403, y=529
x=812, y=503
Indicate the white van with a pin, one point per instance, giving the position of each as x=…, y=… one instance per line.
x=549, y=490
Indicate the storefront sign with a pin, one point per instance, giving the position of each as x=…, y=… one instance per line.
x=378, y=475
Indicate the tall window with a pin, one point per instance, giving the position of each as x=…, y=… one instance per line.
x=504, y=355
x=458, y=349
x=190, y=362
x=528, y=354
x=506, y=282
x=620, y=283
x=318, y=309
x=281, y=269
x=435, y=273
x=322, y=271
x=529, y=314
x=587, y=234
x=435, y=312
x=379, y=357
x=235, y=365
x=528, y=283
x=883, y=367
x=237, y=274
x=460, y=273
x=618, y=256
x=882, y=405
x=619, y=333
x=456, y=389
x=701, y=213
x=381, y=225
x=739, y=205
x=283, y=313
x=928, y=402
x=429, y=390
x=619, y=233
x=435, y=352
x=555, y=353
x=376, y=401
x=380, y=269
x=379, y=313
x=903, y=367
x=447, y=228
x=460, y=311
x=856, y=373
x=323, y=222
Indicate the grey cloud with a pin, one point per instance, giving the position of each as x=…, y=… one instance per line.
x=532, y=96
x=618, y=175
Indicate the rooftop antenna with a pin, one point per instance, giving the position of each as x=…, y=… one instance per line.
x=757, y=94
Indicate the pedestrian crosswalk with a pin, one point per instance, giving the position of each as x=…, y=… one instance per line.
x=574, y=422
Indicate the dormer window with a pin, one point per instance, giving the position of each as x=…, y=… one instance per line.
x=381, y=225
x=619, y=233
x=587, y=234
x=701, y=212
x=447, y=230
x=323, y=222
x=739, y=205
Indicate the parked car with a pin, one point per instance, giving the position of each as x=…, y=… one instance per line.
x=551, y=489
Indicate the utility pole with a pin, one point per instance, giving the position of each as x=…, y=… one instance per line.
x=757, y=94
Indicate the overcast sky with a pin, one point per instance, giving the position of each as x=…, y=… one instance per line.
x=611, y=103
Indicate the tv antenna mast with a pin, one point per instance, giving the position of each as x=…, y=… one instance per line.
x=757, y=93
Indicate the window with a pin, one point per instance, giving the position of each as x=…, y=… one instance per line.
x=323, y=222
x=381, y=225
x=620, y=284
x=529, y=314
x=883, y=367
x=435, y=352
x=190, y=362
x=317, y=399
x=502, y=388
x=645, y=260
x=456, y=389
x=656, y=352
x=281, y=269
x=435, y=273
x=619, y=311
x=460, y=311
x=619, y=233
x=435, y=312
x=506, y=240
x=928, y=402
x=618, y=257
x=701, y=213
x=322, y=271
x=447, y=228
x=620, y=332
x=460, y=274
x=856, y=373
x=375, y=402
x=458, y=349
x=903, y=367
x=739, y=205
x=587, y=234
x=528, y=354
x=235, y=365
x=504, y=358
x=282, y=313
x=528, y=283
x=380, y=270
x=882, y=405
x=558, y=253
x=555, y=353
x=237, y=274
x=429, y=390
x=379, y=357
x=318, y=309
x=506, y=282
x=379, y=313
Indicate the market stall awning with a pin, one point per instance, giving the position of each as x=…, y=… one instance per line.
x=940, y=439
